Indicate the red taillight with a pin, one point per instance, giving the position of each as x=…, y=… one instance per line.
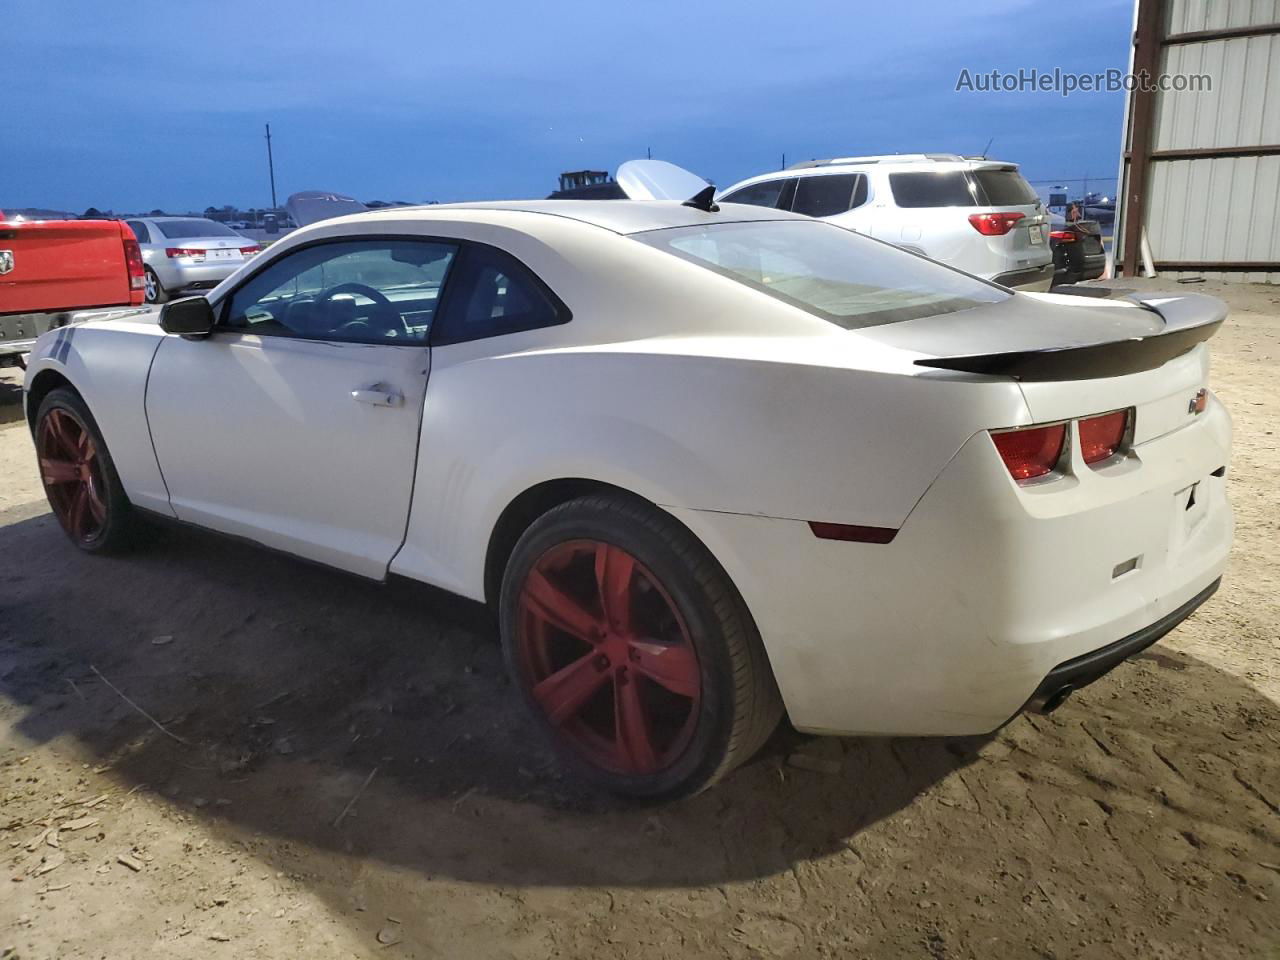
x=175, y=252
x=1062, y=236
x=247, y=251
x=133, y=262
x=994, y=224
x=1032, y=451
x=1100, y=437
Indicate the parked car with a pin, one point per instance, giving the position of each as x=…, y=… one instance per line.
x=980, y=216
x=706, y=463
x=183, y=254
x=1077, y=248
x=51, y=268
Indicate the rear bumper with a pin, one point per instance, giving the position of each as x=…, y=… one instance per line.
x=1029, y=278
x=1084, y=670
x=1080, y=267
x=19, y=331
x=986, y=590
x=1095, y=264
x=176, y=277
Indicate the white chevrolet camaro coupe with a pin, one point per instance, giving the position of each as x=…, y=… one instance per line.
x=707, y=464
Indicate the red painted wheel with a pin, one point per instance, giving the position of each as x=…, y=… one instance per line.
x=72, y=474
x=79, y=478
x=608, y=657
x=633, y=649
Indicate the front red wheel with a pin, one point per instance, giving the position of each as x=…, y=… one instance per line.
x=78, y=475
x=633, y=649
x=71, y=472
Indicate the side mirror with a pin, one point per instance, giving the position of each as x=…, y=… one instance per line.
x=188, y=317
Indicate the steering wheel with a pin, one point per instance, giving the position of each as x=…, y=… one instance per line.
x=384, y=309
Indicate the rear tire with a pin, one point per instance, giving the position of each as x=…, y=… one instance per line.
x=633, y=649
x=153, y=290
x=79, y=476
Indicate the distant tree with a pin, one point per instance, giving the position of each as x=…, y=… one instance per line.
x=93, y=213
x=210, y=211
x=157, y=213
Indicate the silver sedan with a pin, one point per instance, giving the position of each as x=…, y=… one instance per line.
x=184, y=254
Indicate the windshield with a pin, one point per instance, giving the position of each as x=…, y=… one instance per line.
x=193, y=228
x=834, y=273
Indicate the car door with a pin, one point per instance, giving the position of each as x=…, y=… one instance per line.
x=296, y=422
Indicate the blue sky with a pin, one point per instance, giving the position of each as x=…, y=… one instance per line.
x=141, y=105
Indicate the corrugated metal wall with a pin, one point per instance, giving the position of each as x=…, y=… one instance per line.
x=1237, y=112
x=1225, y=208
x=1217, y=208
x=1188, y=16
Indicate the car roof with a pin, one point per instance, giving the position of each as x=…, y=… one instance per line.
x=617, y=216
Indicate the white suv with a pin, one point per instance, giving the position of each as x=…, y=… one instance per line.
x=977, y=215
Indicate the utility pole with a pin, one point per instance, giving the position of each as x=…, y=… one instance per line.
x=271, y=168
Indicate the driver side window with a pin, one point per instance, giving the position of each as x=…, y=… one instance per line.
x=360, y=291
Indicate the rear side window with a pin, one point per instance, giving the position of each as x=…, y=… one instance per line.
x=493, y=293
x=1005, y=188
x=763, y=194
x=139, y=230
x=826, y=195
x=846, y=279
x=942, y=189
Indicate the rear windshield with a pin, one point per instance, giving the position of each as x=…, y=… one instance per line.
x=834, y=273
x=193, y=228
x=1005, y=188
x=960, y=188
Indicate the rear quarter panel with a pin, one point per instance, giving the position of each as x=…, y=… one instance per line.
x=108, y=361
x=785, y=437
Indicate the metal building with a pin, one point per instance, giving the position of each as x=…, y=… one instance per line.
x=1200, y=171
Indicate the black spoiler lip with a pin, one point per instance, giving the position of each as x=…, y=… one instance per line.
x=1189, y=319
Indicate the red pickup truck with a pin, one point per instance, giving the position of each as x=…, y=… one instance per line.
x=51, y=268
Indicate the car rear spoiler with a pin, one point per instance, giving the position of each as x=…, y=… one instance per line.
x=1188, y=320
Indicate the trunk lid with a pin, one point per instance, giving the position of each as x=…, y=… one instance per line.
x=1004, y=190
x=1046, y=337
x=312, y=206
x=58, y=265
x=1073, y=361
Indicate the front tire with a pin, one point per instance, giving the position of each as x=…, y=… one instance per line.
x=633, y=649
x=79, y=476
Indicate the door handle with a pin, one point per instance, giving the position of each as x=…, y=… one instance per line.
x=378, y=395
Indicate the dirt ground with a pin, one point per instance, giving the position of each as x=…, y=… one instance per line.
x=1140, y=820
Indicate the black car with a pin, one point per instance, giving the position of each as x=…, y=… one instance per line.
x=1077, y=250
